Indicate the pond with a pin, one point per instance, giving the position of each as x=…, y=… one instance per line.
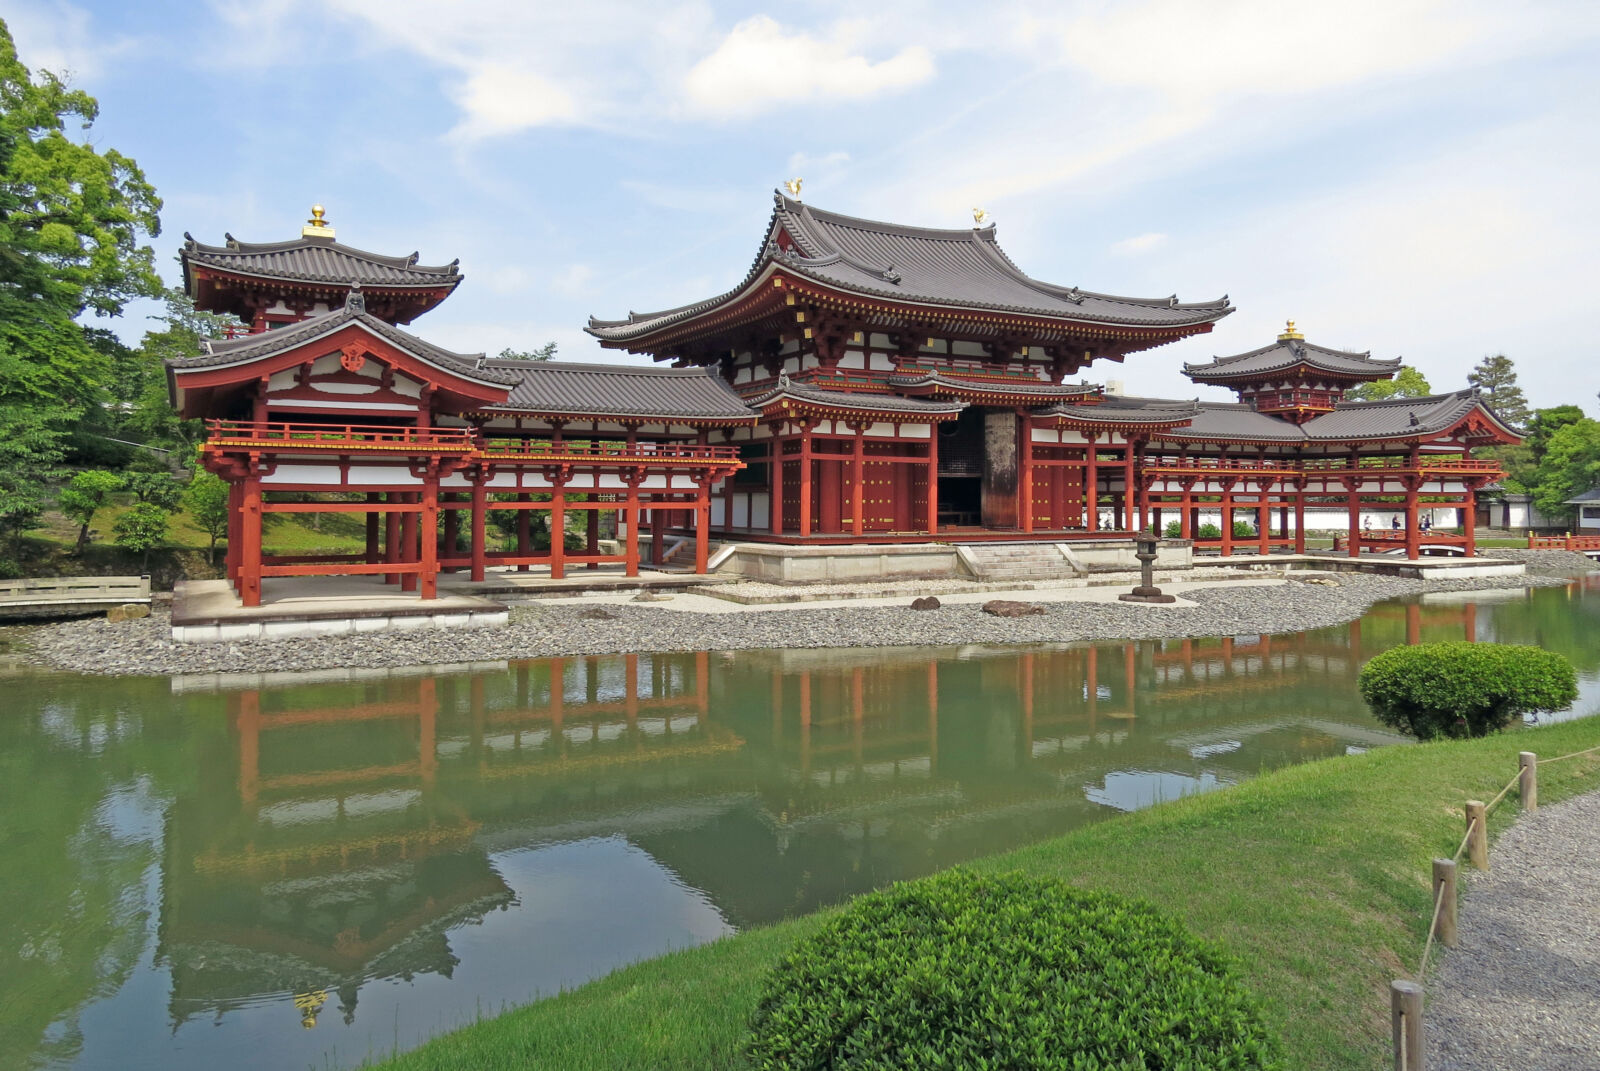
x=306, y=872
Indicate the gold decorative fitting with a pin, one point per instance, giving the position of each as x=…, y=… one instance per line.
x=1290, y=333
x=316, y=226
x=793, y=186
x=979, y=215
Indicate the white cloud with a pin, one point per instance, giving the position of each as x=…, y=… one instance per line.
x=760, y=64
x=1141, y=243
x=504, y=100
x=573, y=280
x=60, y=38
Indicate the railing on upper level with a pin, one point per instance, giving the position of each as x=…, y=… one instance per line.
x=386, y=437
x=607, y=450
x=1321, y=465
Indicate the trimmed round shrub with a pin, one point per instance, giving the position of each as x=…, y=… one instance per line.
x=1464, y=689
x=969, y=971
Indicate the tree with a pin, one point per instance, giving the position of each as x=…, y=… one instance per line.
x=72, y=219
x=1571, y=466
x=541, y=353
x=141, y=530
x=1496, y=377
x=156, y=488
x=30, y=456
x=83, y=496
x=1407, y=383
x=183, y=328
x=1522, y=461
x=207, y=502
x=1464, y=689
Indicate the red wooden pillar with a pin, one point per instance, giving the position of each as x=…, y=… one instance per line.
x=250, y=542
x=1264, y=519
x=630, y=562
x=1354, y=506
x=858, y=476
x=805, y=479
x=1186, y=514
x=1413, y=531
x=558, y=531
x=452, y=532
x=1469, y=524
x=1300, y=520
x=524, y=532
x=391, y=538
x=409, y=551
x=1091, y=484
x=1025, y=472
x=933, y=477
x=1227, y=519
x=1131, y=518
x=702, y=526
x=480, y=513
x=430, y=539
x=658, y=534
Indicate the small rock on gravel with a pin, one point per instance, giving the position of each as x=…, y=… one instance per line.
x=927, y=602
x=1012, y=608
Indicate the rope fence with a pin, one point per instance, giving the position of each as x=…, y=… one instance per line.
x=1406, y=996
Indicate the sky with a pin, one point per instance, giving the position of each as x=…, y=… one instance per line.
x=1407, y=177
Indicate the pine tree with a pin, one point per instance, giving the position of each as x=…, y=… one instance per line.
x=1496, y=377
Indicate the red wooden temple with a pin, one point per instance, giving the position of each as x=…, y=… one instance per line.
x=864, y=383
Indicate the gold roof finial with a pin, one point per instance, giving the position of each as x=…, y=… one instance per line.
x=316, y=226
x=1290, y=333
x=979, y=215
x=793, y=186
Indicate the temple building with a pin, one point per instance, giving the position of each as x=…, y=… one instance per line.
x=864, y=382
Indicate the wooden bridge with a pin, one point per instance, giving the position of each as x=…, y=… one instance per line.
x=64, y=595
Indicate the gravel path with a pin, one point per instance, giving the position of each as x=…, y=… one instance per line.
x=573, y=628
x=1522, y=990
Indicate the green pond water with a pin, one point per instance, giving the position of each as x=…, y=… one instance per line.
x=258, y=873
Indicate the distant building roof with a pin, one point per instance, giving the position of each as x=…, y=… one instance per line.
x=558, y=387
x=853, y=401
x=1289, y=353
x=1591, y=495
x=1352, y=422
x=948, y=269
x=1124, y=410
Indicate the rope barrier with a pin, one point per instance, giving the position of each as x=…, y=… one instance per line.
x=1509, y=786
x=1456, y=858
x=1559, y=758
x=1433, y=929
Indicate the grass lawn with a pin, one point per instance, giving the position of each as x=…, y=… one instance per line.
x=1315, y=876
x=284, y=533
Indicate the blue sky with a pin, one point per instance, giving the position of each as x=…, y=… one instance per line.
x=1413, y=178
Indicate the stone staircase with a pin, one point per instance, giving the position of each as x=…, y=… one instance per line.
x=1017, y=561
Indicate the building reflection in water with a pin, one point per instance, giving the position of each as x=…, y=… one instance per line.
x=346, y=830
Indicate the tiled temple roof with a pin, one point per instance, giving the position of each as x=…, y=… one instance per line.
x=1290, y=353
x=558, y=387
x=316, y=260
x=956, y=269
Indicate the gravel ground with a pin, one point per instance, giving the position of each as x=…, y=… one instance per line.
x=1522, y=989
x=544, y=628
x=1547, y=563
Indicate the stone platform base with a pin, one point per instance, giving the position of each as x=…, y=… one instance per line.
x=208, y=611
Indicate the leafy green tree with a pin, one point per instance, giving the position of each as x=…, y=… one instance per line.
x=83, y=496
x=183, y=327
x=207, y=501
x=1407, y=383
x=538, y=353
x=1571, y=466
x=156, y=488
x=1522, y=461
x=72, y=221
x=1464, y=689
x=141, y=530
x=30, y=457
x=1496, y=377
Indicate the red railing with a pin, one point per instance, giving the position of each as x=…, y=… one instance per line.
x=1566, y=542
x=607, y=450
x=335, y=436
x=1319, y=465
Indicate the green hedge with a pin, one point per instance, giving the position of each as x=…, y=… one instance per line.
x=1008, y=971
x=1464, y=689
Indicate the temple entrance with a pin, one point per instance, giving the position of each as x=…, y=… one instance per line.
x=961, y=470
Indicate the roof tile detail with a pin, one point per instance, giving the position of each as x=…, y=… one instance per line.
x=317, y=260
x=1288, y=353
x=621, y=390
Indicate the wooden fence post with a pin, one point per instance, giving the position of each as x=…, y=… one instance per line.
x=1530, y=780
x=1444, y=893
x=1405, y=1006
x=1477, y=835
